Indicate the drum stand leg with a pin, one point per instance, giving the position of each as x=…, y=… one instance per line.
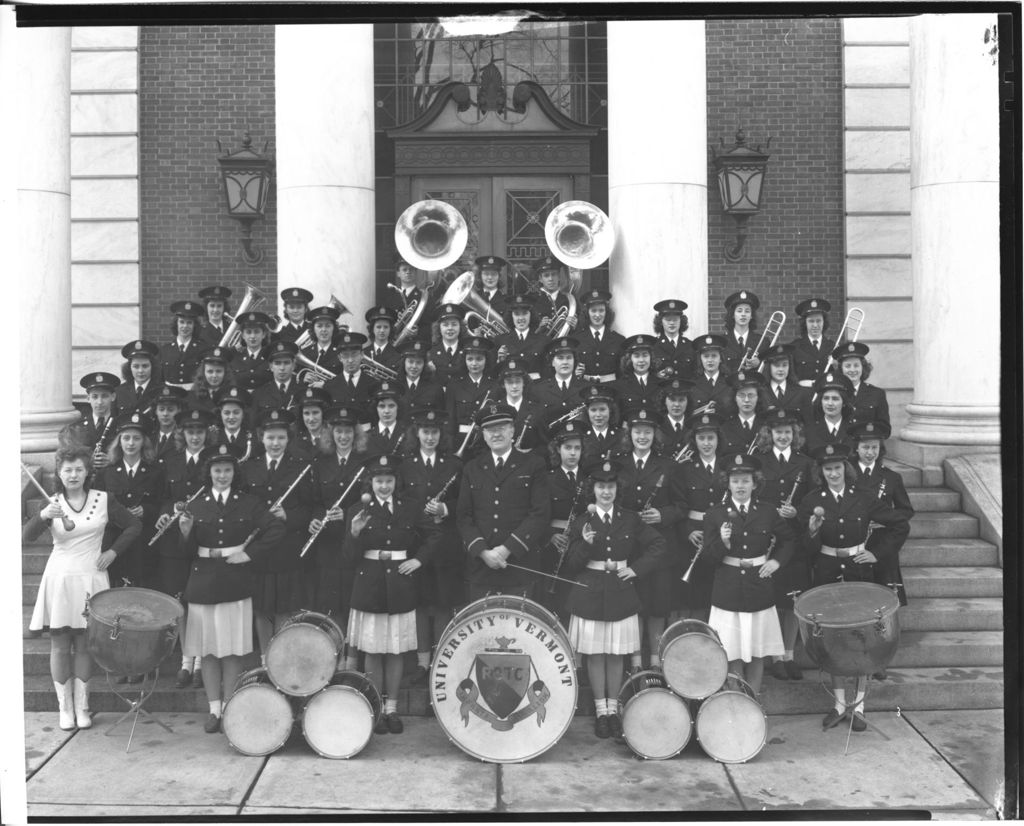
x=135, y=707
x=861, y=695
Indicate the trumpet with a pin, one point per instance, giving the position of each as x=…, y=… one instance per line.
x=550, y=326
x=313, y=369
x=252, y=299
x=461, y=292
x=377, y=370
x=772, y=329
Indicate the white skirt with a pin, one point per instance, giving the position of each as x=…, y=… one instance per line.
x=587, y=636
x=220, y=630
x=746, y=634
x=60, y=602
x=382, y=633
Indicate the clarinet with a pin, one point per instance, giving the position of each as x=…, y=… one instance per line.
x=565, y=533
x=873, y=525
x=97, y=450
x=789, y=499
x=657, y=487
x=522, y=435
x=436, y=498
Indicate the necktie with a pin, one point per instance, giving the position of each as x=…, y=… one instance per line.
x=834, y=432
x=387, y=506
x=283, y=387
x=707, y=469
x=499, y=463
x=746, y=425
x=273, y=466
x=817, y=344
x=387, y=433
x=679, y=427
x=100, y=423
x=163, y=443
x=778, y=391
x=379, y=353
x=522, y=336
x=607, y=519
x=412, y=387
x=341, y=461
x=131, y=473
x=743, y=510
x=565, y=387
x=220, y=499
x=191, y=463
x=643, y=382
x=429, y=463
x=742, y=341
x=839, y=499
x=597, y=336
x=350, y=382
x=138, y=391
x=867, y=471
x=451, y=352
x=572, y=477
x=782, y=458
x=639, y=465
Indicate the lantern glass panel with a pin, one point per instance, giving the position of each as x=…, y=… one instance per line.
x=244, y=192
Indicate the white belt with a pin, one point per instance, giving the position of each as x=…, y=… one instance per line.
x=465, y=428
x=219, y=553
x=186, y=385
x=695, y=515
x=608, y=565
x=561, y=524
x=534, y=376
x=740, y=562
x=842, y=553
x=806, y=383
x=386, y=556
x=607, y=377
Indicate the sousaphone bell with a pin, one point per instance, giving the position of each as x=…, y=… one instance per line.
x=431, y=235
x=579, y=234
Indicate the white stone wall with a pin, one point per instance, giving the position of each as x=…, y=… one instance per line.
x=105, y=292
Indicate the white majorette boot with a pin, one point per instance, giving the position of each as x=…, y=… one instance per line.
x=82, y=715
x=66, y=705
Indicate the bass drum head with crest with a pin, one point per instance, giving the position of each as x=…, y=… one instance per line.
x=503, y=680
x=731, y=725
x=258, y=718
x=338, y=721
x=693, y=659
x=303, y=655
x=656, y=722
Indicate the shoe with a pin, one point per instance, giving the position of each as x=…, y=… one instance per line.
x=394, y=723
x=83, y=718
x=602, y=727
x=420, y=676
x=66, y=705
x=184, y=679
x=382, y=725
x=197, y=678
x=794, y=671
x=633, y=669
x=212, y=724
x=615, y=726
x=879, y=675
x=859, y=723
x=832, y=719
x=778, y=670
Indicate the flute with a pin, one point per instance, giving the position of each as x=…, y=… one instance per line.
x=337, y=504
x=565, y=532
x=176, y=516
x=291, y=487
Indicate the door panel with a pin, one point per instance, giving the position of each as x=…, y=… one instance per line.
x=470, y=195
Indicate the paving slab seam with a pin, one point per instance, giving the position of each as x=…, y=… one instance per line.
x=35, y=771
x=252, y=785
x=735, y=788
x=924, y=736
x=499, y=780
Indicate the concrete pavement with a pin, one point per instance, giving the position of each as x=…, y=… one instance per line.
x=948, y=763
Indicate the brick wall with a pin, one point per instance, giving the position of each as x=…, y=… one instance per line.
x=783, y=79
x=200, y=83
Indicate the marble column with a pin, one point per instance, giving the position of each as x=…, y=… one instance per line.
x=325, y=163
x=42, y=66
x=657, y=171
x=954, y=127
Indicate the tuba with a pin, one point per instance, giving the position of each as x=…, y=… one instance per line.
x=252, y=299
x=461, y=292
x=431, y=235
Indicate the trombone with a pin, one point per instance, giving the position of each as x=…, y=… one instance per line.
x=850, y=330
x=769, y=335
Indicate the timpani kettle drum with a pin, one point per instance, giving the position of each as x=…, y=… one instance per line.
x=731, y=725
x=131, y=630
x=656, y=722
x=338, y=720
x=850, y=629
x=503, y=679
x=258, y=719
x=693, y=659
x=303, y=655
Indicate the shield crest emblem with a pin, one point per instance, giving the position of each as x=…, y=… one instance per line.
x=503, y=680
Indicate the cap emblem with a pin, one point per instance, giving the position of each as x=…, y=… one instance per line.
x=135, y=418
x=606, y=467
x=138, y=345
x=743, y=294
x=275, y=415
x=738, y=460
x=829, y=450
x=222, y=450
x=814, y=303
x=383, y=461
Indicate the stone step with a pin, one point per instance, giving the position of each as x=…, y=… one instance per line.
x=932, y=649
x=951, y=614
x=953, y=581
x=905, y=689
x=943, y=525
x=925, y=552
x=934, y=499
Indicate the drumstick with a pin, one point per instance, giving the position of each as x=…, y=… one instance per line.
x=819, y=514
x=552, y=576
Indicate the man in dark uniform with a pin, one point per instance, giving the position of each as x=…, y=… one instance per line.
x=709, y=381
x=166, y=407
x=283, y=388
x=503, y=509
x=353, y=386
x=675, y=394
x=94, y=428
x=550, y=299
x=402, y=295
x=296, y=305
x=139, y=389
x=214, y=299
x=811, y=351
x=673, y=353
x=600, y=345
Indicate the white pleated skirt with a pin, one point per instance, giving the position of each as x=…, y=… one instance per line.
x=587, y=636
x=746, y=634
x=220, y=630
x=382, y=633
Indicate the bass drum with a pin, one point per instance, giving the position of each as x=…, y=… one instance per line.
x=131, y=630
x=503, y=680
x=731, y=725
x=258, y=718
x=656, y=722
x=338, y=721
x=850, y=629
x=303, y=655
x=693, y=659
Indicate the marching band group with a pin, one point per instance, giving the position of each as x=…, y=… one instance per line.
x=259, y=467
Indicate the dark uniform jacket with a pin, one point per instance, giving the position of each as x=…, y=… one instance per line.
x=673, y=439
x=270, y=397
x=733, y=354
x=703, y=392
x=179, y=365
x=327, y=359
x=378, y=587
x=428, y=393
x=702, y=491
x=165, y=445
x=210, y=336
x=498, y=301
x=636, y=488
x=742, y=589
x=242, y=445
x=446, y=368
x=794, y=397
x=548, y=394
x=179, y=483
x=144, y=490
x=463, y=398
x=818, y=433
x=509, y=507
x=377, y=443
x=600, y=447
x=212, y=581
x=544, y=307
x=126, y=401
x=389, y=355
x=599, y=358
x=733, y=438
x=781, y=482
x=85, y=432
x=607, y=597
x=343, y=394
x=870, y=404
x=886, y=485
x=809, y=363
x=679, y=357
x=417, y=484
x=249, y=371
x=255, y=478
x=631, y=394
x=289, y=332
x=529, y=352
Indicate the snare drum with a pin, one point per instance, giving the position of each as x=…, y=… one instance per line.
x=656, y=722
x=731, y=725
x=338, y=720
x=503, y=680
x=850, y=629
x=131, y=630
x=258, y=718
x=693, y=659
x=303, y=655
